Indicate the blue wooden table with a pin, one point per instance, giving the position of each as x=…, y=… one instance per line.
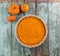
x=50, y=12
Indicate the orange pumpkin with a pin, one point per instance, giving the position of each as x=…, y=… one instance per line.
x=24, y=7
x=14, y=9
x=11, y=18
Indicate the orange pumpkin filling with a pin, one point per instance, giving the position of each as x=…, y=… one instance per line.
x=31, y=30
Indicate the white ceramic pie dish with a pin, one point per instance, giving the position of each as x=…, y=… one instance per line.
x=36, y=44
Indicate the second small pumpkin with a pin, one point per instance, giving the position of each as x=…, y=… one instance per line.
x=24, y=7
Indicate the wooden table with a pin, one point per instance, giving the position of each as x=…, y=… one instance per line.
x=48, y=10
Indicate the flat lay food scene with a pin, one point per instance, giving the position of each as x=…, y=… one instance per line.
x=29, y=28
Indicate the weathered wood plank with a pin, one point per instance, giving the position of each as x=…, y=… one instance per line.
x=43, y=13
x=16, y=47
x=53, y=1
x=32, y=1
x=46, y=43
x=43, y=1
x=53, y=37
x=39, y=1
x=5, y=1
x=14, y=0
x=58, y=27
x=5, y=31
x=21, y=1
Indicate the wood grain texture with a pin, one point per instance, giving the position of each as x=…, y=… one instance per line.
x=53, y=36
x=2, y=1
x=5, y=31
x=32, y=1
x=16, y=47
x=14, y=0
x=43, y=13
x=39, y=1
x=39, y=49
x=57, y=28
x=20, y=0
x=45, y=1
